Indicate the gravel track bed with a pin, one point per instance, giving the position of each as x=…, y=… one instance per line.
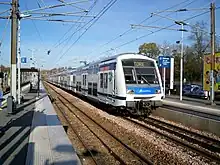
x=200, y=141
x=161, y=149
x=192, y=153
x=157, y=148
x=99, y=152
x=125, y=154
x=211, y=135
x=78, y=146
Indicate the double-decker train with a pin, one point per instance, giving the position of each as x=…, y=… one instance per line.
x=126, y=81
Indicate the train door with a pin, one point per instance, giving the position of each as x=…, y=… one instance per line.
x=70, y=82
x=111, y=84
x=101, y=85
x=105, y=84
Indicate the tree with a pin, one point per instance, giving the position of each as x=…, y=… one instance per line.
x=193, y=56
x=167, y=48
x=149, y=49
x=192, y=66
x=200, y=38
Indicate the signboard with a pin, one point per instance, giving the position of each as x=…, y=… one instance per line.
x=207, y=71
x=23, y=60
x=164, y=61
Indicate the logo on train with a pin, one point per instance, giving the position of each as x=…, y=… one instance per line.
x=144, y=91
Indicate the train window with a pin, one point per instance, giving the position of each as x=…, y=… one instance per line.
x=138, y=63
x=145, y=71
x=90, y=88
x=146, y=76
x=105, y=80
x=80, y=88
x=101, y=80
x=129, y=76
x=94, y=89
x=77, y=86
x=74, y=79
x=85, y=79
x=138, y=71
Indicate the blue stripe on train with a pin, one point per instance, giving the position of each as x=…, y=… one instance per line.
x=144, y=90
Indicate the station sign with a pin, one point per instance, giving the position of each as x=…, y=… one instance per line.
x=23, y=60
x=164, y=61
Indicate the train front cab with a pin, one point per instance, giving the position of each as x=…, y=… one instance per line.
x=141, y=84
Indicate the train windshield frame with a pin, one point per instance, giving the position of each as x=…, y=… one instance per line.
x=139, y=71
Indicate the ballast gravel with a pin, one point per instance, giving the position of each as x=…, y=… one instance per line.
x=153, y=146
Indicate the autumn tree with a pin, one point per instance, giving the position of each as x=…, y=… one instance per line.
x=192, y=65
x=149, y=49
x=200, y=38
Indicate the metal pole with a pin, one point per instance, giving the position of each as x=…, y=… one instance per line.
x=14, y=30
x=212, y=52
x=1, y=79
x=19, y=64
x=181, y=66
x=164, y=81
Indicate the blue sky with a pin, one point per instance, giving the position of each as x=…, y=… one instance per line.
x=113, y=23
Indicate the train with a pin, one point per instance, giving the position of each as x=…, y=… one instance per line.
x=126, y=82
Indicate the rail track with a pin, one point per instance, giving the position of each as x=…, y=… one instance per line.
x=73, y=129
x=198, y=143
x=76, y=111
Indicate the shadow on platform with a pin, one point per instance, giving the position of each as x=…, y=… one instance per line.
x=14, y=134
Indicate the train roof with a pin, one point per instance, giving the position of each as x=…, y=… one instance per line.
x=96, y=63
x=108, y=59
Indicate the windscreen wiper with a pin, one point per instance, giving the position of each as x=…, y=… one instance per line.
x=145, y=80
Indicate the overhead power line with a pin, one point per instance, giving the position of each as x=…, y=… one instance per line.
x=54, y=20
x=4, y=32
x=138, y=38
x=75, y=14
x=157, y=27
x=183, y=10
x=5, y=3
x=54, y=6
x=59, y=41
x=99, y=15
x=179, y=23
x=5, y=11
x=77, y=30
x=74, y=6
x=130, y=29
x=55, y=15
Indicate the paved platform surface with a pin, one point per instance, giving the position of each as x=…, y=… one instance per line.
x=15, y=130
x=34, y=135
x=193, y=101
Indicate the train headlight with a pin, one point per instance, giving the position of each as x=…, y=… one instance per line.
x=130, y=92
x=158, y=91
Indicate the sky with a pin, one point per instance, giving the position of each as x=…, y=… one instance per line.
x=37, y=36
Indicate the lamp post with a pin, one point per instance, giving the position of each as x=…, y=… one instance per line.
x=181, y=58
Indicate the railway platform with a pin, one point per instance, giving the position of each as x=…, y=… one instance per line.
x=33, y=135
x=193, y=101
x=196, y=114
